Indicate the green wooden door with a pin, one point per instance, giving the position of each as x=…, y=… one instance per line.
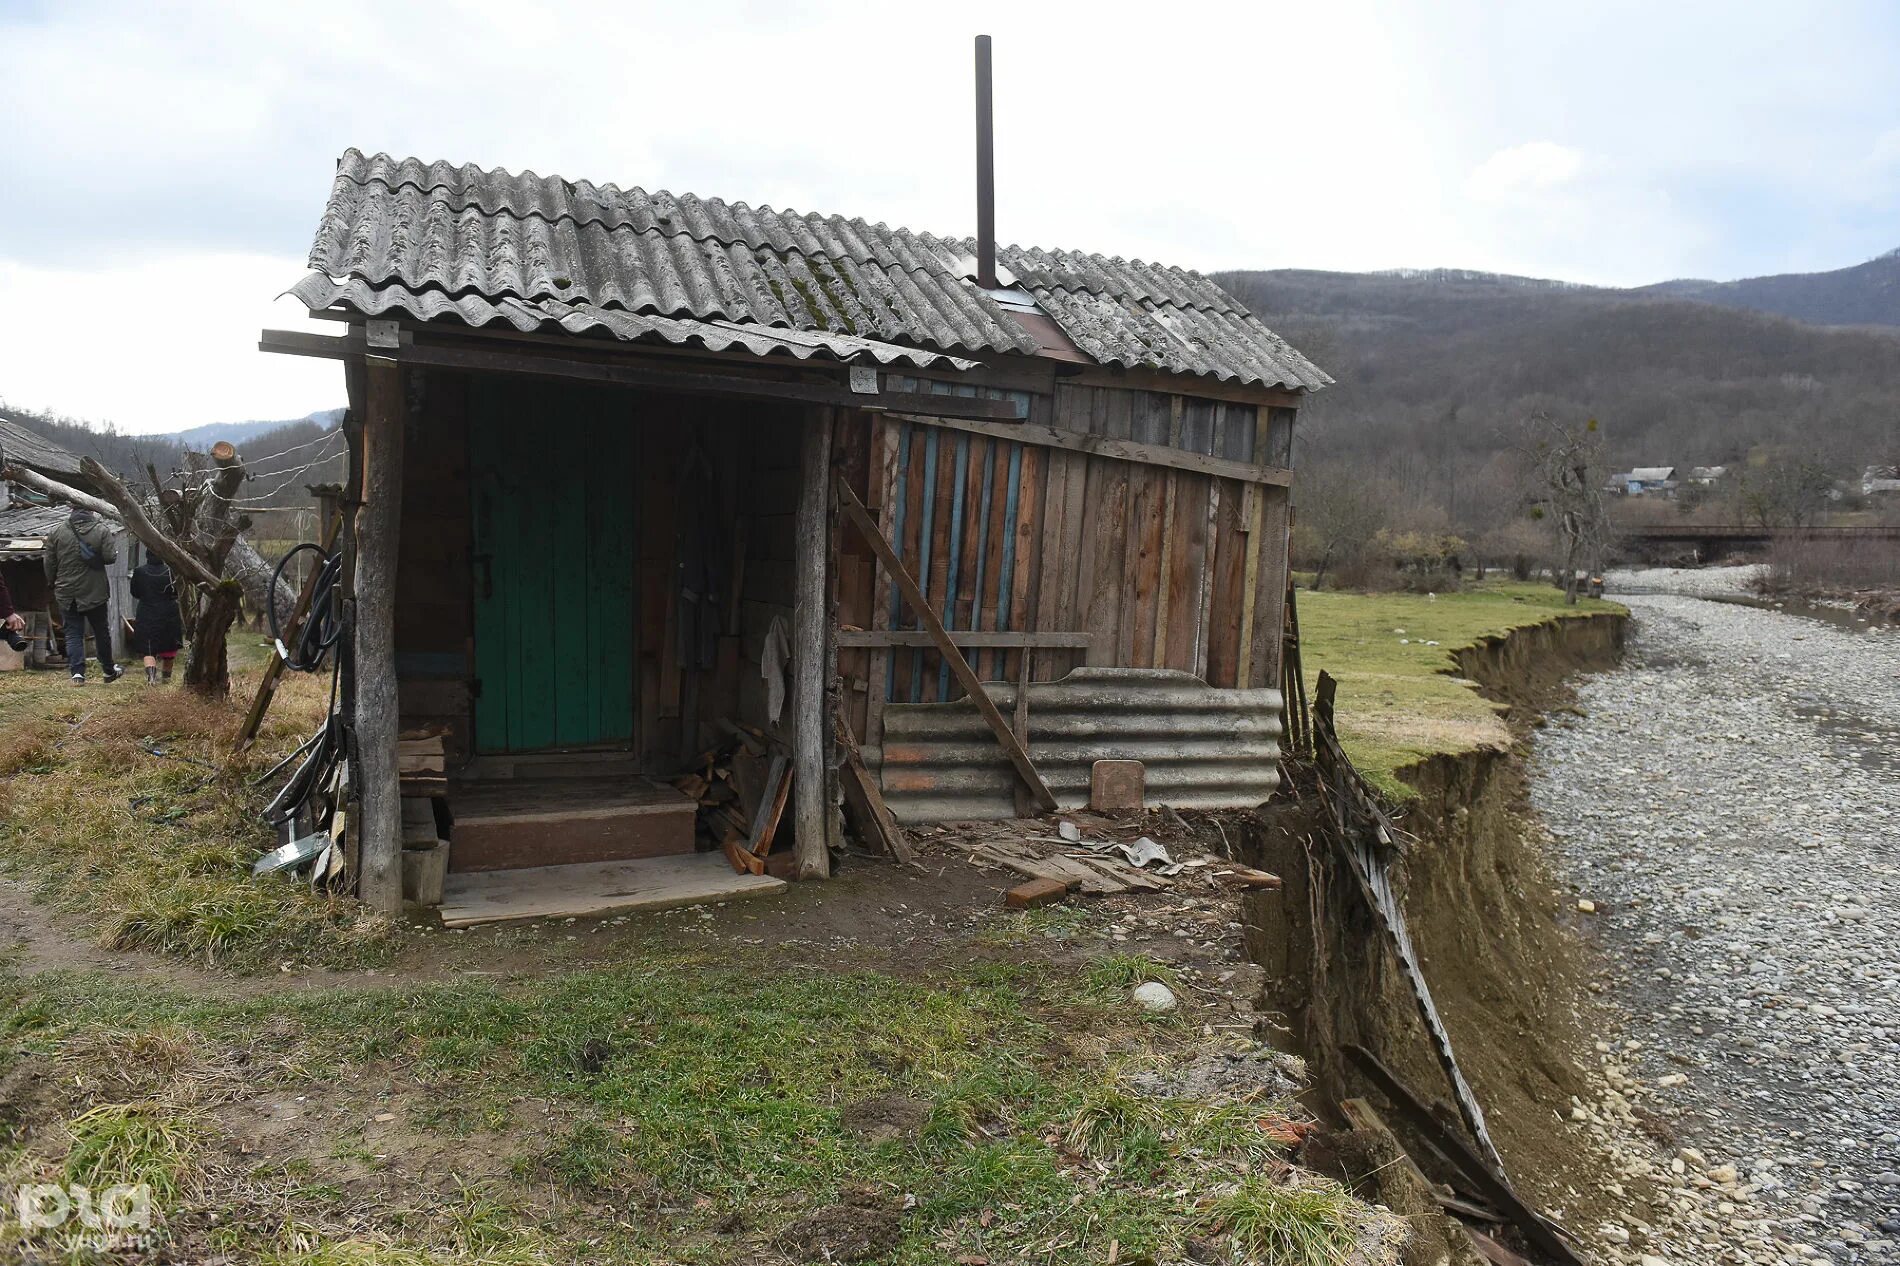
x=551, y=479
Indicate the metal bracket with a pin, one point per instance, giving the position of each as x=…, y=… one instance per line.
x=382, y=334
x=863, y=379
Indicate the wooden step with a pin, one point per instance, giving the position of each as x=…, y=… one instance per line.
x=524, y=822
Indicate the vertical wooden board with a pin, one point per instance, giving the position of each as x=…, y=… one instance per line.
x=1185, y=559
x=944, y=494
x=1085, y=514
x=572, y=677
x=1072, y=574
x=925, y=510
x=888, y=478
x=1225, y=618
x=973, y=569
x=1075, y=409
x=1210, y=564
x=533, y=612
x=1156, y=648
x=1197, y=425
x=1108, y=509
x=1118, y=412
x=611, y=513
x=1147, y=497
x=1052, y=565
x=1024, y=523
x=1151, y=417
x=489, y=513
x=1270, y=590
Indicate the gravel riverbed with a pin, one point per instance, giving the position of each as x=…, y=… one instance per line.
x=1729, y=803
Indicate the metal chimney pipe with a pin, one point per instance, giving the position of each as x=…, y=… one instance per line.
x=985, y=171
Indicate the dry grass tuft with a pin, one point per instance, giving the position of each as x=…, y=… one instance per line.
x=124, y=805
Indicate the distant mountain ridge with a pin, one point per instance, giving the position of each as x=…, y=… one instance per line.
x=1435, y=368
x=1863, y=294
x=238, y=432
x=1860, y=294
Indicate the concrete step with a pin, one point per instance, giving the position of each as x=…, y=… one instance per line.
x=519, y=822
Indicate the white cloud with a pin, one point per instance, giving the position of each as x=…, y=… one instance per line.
x=137, y=346
x=1532, y=168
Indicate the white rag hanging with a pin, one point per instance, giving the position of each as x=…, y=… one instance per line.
x=777, y=653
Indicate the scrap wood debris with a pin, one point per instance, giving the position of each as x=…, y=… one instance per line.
x=1092, y=861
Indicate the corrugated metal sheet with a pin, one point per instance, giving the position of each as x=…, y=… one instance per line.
x=18, y=444
x=1203, y=748
x=318, y=291
x=467, y=232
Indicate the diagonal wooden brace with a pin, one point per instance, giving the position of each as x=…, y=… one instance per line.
x=959, y=667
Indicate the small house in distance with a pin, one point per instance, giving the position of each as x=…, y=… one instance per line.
x=26, y=519
x=640, y=473
x=1880, y=481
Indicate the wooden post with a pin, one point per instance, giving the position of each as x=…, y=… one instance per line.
x=808, y=647
x=379, y=822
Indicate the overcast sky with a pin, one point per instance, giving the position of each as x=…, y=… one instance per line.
x=164, y=166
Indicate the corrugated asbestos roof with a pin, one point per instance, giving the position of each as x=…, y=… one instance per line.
x=23, y=527
x=17, y=444
x=551, y=314
x=435, y=236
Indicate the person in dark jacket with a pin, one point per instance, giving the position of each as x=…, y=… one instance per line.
x=156, y=629
x=77, y=553
x=12, y=623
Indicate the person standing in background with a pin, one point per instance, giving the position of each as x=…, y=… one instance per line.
x=12, y=623
x=156, y=629
x=77, y=554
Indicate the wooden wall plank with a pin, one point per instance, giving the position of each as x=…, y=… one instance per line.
x=1185, y=561
x=1231, y=551
x=1270, y=590
x=1020, y=570
x=1147, y=503
x=1105, y=547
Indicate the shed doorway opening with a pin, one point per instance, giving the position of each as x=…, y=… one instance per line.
x=552, y=487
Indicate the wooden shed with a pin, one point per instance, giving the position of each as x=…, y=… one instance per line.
x=635, y=472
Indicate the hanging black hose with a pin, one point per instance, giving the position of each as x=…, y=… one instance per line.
x=323, y=622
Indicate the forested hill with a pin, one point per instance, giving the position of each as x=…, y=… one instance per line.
x=1866, y=294
x=1439, y=367
x=280, y=457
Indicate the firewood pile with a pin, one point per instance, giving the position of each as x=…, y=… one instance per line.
x=742, y=785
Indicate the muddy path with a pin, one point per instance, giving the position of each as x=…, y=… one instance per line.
x=1729, y=801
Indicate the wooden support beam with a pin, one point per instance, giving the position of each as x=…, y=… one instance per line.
x=379, y=822
x=809, y=670
x=959, y=667
x=978, y=639
x=487, y=359
x=1103, y=446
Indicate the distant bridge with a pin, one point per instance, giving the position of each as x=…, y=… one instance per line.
x=1710, y=539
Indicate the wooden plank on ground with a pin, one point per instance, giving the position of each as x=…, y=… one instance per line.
x=593, y=888
x=985, y=706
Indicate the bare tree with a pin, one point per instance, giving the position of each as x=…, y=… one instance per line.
x=200, y=526
x=1565, y=476
x=1339, y=509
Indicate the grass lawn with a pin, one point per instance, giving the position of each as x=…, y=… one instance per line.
x=1400, y=699
x=685, y=1093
